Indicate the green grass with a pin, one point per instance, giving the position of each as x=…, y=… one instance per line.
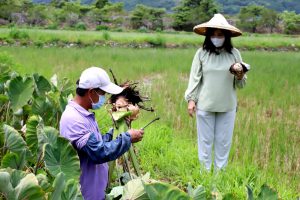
x=249, y=41
x=266, y=138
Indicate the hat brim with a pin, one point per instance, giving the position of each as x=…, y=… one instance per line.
x=112, y=88
x=202, y=28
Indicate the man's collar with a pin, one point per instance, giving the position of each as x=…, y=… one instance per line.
x=79, y=108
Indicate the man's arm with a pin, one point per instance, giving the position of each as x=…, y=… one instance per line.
x=108, y=136
x=102, y=151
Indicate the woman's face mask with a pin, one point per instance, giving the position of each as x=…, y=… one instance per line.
x=217, y=41
x=100, y=102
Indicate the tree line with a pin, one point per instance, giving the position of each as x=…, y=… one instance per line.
x=103, y=15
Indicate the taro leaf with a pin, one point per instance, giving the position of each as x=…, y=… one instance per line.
x=199, y=193
x=134, y=189
x=16, y=176
x=20, y=91
x=13, y=140
x=31, y=133
x=47, y=135
x=43, y=182
x=5, y=185
x=249, y=193
x=42, y=85
x=266, y=193
x=161, y=190
x=71, y=190
x=13, y=160
x=42, y=107
x=53, y=80
x=28, y=188
x=65, y=87
x=62, y=158
x=116, y=192
x=3, y=99
x=120, y=115
x=58, y=185
x=63, y=101
x=4, y=73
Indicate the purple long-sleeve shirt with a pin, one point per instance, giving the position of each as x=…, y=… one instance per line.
x=77, y=124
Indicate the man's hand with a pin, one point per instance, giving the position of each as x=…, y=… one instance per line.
x=136, y=135
x=191, y=108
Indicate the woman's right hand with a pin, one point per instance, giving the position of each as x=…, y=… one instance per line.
x=191, y=108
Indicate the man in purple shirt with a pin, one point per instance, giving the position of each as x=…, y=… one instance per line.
x=79, y=126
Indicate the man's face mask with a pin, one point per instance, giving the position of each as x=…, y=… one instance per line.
x=98, y=104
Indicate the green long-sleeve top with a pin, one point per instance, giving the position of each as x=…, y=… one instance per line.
x=211, y=85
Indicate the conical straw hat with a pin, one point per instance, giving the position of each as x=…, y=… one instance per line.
x=218, y=21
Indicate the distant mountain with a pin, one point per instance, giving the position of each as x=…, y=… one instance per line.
x=228, y=6
x=167, y=4
x=233, y=6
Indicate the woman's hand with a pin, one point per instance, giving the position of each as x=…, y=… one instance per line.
x=237, y=70
x=191, y=108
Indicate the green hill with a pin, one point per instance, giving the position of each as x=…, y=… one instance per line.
x=228, y=6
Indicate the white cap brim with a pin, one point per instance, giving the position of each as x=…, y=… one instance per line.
x=112, y=88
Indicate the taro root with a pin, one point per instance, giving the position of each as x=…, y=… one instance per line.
x=129, y=100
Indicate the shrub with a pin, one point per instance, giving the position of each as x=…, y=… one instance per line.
x=102, y=27
x=143, y=29
x=158, y=41
x=106, y=35
x=80, y=26
x=53, y=26
x=17, y=34
x=39, y=43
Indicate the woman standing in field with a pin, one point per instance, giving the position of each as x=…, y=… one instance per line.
x=217, y=70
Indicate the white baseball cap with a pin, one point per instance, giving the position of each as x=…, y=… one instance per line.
x=95, y=77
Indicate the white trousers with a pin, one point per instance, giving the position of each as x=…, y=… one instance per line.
x=214, y=129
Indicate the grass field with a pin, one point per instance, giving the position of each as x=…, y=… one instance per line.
x=266, y=142
x=248, y=41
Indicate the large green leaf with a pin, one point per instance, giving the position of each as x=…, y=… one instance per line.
x=116, y=192
x=32, y=126
x=197, y=194
x=42, y=107
x=43, y=182
x=16, y=176
x=5, y=184
x=58, y=185
x=165, y=191
x=13, y=160
x=134, y=189
x=13, y=140
x=28, y=188
x=4, y=72
x=65, y=87
x=3, y=99
x=62, y=158
x=31, y=133
x=249, y=193
x=42, y=85
x=47, y=135
x=71, y=190
x=20, y=91
x=120, y=115
x=266, y=193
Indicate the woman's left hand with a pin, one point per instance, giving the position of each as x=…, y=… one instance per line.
x=239, y=75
